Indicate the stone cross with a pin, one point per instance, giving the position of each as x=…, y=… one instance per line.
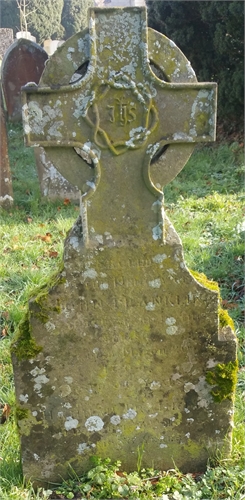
x=122, y=351
x=119, y=106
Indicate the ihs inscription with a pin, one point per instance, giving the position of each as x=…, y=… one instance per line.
x=121, y=113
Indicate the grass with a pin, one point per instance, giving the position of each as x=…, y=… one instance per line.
x=206, y=205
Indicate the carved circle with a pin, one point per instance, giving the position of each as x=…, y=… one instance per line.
x=167, y=162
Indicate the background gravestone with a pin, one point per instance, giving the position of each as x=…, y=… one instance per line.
x=6, y=39
x=22, y=63
x=123, y=351
x=6, y=191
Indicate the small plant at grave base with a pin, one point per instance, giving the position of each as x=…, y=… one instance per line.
x=104, y=480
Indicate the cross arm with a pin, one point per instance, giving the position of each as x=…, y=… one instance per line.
x=54, y=118
x=187, y=112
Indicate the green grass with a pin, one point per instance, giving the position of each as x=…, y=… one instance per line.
x=206, y=205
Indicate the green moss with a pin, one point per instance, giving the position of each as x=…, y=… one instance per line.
x=225, y=319
x=224, y=378
x=43, y=309
x=194, y=449
x=24, y=346
x=204, y=281
x=21, y=413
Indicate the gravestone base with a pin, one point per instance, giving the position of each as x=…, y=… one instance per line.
x=114, y=357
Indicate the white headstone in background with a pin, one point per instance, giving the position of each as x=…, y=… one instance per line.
x=119, y=3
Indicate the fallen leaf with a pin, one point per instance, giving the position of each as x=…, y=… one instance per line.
x=44, y=237
x=5, y=314
x=4, y=332
x=29, y=219
x=66, y=201
x=229, y=305
x=53, y=254
x=5, y=413
x=47, y=237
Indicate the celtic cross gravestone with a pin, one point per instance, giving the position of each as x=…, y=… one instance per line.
x=122, y=351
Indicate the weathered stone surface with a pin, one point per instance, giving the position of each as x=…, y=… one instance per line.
x=124, y=349
x=6, y=191
x=23, y=62
x=52, y=184
x=6, y=38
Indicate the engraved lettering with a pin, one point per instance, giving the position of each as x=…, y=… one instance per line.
x=121, y=112
x=111, y=113
x=131, y=114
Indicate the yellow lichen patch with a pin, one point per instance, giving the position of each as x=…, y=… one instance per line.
x=204, y=281
x=225, y=319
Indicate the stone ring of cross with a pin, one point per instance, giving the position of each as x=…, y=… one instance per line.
x=132, y=89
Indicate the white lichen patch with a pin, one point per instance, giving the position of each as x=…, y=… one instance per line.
x=104, y=286
x=156, y=206
x=159, y=258
x=90, y=273
x=152, y=149
x=37, y=371
x=182, y=136
x=189, y=387
x=176, y=376
x=99, y=238
x=71, y=423
x=130, y=414
x=94, y=423
x=211, y=363
x=74, y=242
x=155, y=385
x=64, y=390
x=91, y=185
x=171, y=329
x=82, y=447
x=115, y=420
x=49, y=326
x=67, y=405
x=23, y=398
x=157, y=232
x=155, y=283
x=150, y=306
x=68, y=380
x=41, y=379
